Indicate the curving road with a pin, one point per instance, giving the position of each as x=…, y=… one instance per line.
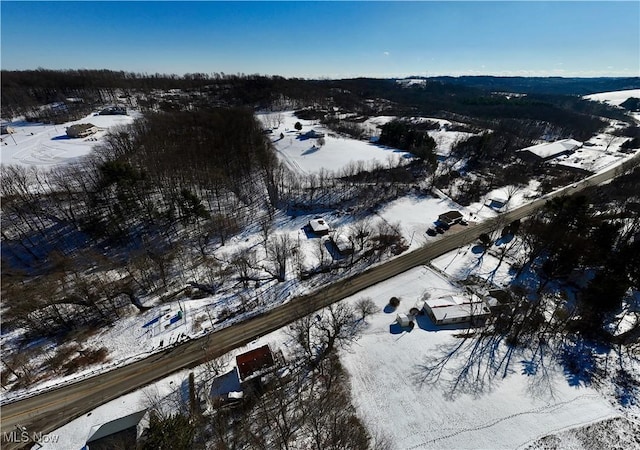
x=50, y=410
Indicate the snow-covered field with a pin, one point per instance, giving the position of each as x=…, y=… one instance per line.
x=508, y=412
x=415, y=214
x=614, y=97
x=37, y=144
x=305, y=155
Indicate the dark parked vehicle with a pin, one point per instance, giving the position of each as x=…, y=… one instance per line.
x=440, y=230
x=431, y=232
x=444, y=226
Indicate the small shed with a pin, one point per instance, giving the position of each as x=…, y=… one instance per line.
x=403, y=320
x=450, y=217
x=319, y=226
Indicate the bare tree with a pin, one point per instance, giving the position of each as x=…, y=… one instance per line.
x=361, y=233
x=279, y=250
x=366, y=307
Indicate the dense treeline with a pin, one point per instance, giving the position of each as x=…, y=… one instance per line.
x=453, y=98
x=545, y=85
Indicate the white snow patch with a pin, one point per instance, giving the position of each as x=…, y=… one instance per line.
x=614, y=97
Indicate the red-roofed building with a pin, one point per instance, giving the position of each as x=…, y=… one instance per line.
x=254, y=361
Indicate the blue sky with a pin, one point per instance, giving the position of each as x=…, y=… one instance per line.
x=326, y=39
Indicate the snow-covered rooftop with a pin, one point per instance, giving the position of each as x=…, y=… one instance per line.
x=319, y=225
x=456, y=307
x=549, y=150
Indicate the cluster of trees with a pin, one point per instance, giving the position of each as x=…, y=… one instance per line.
x=572, y=243
x=166, y=181
x=411, y=137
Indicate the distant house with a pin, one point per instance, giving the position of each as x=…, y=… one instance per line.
x=452, y=309
x=319, y=226
x=547, y=151
x=254, y=362
x=450, y=217
x=119, y=433
x=114, y=111
x=81, y=130
x=314, y=134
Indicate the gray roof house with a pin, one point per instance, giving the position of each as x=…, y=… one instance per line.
x=119, y=433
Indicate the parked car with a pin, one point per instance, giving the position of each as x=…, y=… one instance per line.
x=440, y=230
x=431, y=232
x=444, y=226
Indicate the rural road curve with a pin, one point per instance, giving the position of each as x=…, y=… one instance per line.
x=50, y=410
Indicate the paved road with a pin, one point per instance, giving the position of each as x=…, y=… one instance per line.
x=50, y=410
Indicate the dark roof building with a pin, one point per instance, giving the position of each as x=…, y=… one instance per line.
x=450, y=217
x=114, y=111
x=254, y=361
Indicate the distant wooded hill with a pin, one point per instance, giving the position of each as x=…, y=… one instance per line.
x=552, y=103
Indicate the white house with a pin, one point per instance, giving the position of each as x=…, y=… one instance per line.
x=319, y=226
x=456, y=309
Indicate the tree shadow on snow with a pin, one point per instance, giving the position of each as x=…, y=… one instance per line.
x=310, y=151
x=389, y=309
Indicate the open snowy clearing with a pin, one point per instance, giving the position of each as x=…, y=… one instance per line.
x=614, y=97
x=43, y=145
x=505, y=413
x=383, y=365
x=305, y=155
